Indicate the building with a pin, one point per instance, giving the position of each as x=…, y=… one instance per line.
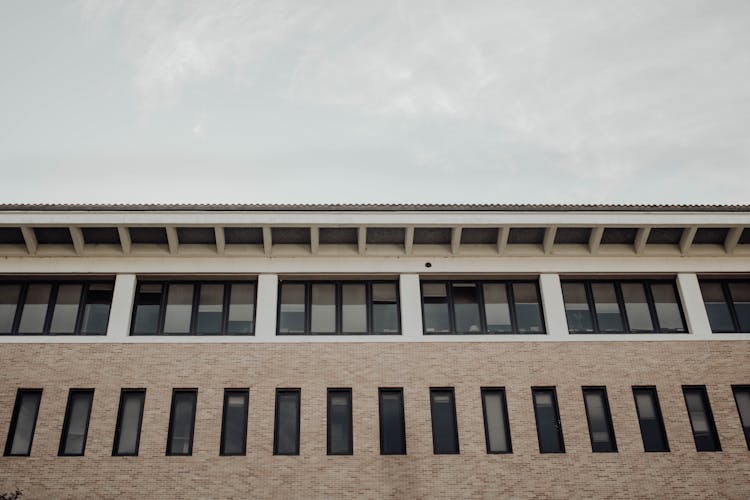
x=414, y=351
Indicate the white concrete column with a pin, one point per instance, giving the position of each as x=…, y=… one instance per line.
x=693, y=306
x=411, y=305
x=553, y=305
x=265, y=313
x=122, y=306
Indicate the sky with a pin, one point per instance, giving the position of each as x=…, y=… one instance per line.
x=326, y=101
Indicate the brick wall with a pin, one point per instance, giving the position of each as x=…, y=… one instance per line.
x=364, y=367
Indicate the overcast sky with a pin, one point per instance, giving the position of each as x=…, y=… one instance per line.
x=375, y=101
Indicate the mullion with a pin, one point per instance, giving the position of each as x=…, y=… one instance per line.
x=163, y=306
x=541, y=306
x=480, y=298
x=510, y=296
x=451, y=306
x=368, y=307
x=730, y=302
x=308, y=307
x=51, y=303
x=652, y=307
x=592, y=305
x=192, y=330
x=225, y=311
x=81, y=305
x=19, y=307
x=621, y=306
x=338, y=305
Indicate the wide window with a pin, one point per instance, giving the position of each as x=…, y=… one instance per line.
x=742, y=399
x=444, y=428
x=601, y=431
x=55, y=308
x=643, y=306
x=234, y=423
x=338, y=308
x=76, y=424
x=548, y=426
x=23, y=422
x=182, y=422
x=392, y=424
x=650, y=420
x=481, y=307
x=701, y=418
x=496, y=426
x=194, y=308
x=340, y=422
x=727, y=304
x=129, y=418
x=286, y=425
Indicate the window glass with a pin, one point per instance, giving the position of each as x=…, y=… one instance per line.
x=717, y=308
x=392, y=432
x=339, y=422
x=179, y=308
x=547, y=421
x=128, y=428
x=24, y=421
x=496, y=308
x=741, y=299
x=436, y=315
x=292, y=308
x=701, y=419
x=286, y=437
x=34, y=310
x=241, y=308
x=577, y=307
x=636, y=307
x=466, y=307
x=8, y=302
x=496, y=421
x=323, y=313
x=667, y=307
x=528, y=310
x=444, y=432
x=148, y=304
x=649, y=418
x=65, y=313
x=210, y=309
x=742, y=398
x=234, y=425
x=76, y=422
x=607, y=309
x=181, y=423
x=385, y=308
x=600, y=420
x=353, y=308
x=98, y=301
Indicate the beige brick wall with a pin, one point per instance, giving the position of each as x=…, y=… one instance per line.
x=415, y=366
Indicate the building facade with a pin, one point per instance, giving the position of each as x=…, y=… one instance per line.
x=411, y=351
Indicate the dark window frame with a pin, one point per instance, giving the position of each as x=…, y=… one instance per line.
x=280, y=391
x=452, y=392
x=662, y=427
x=52, y=302
x=14, y=423
x=727, y=293
x=66, y=423
x=348, y=392
x=118, y=424
x=745, y=429
x=501, y=390
x=509, y=294
x=338, y=306
x=227, y=300
x=245, y=393
x=621, y=305
x=400, y=392
x=169, y=452
x=607, y=416
x=558, y=424
x=709, y=417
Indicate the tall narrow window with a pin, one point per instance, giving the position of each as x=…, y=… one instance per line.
x=528, y=308
x=210, y=310
x=742, y=398
x=179, y=308
x=340, y=422
x=286, y=428
x=65, y=312
x=323, y=308
x=147, y=307
x=97, y=303
x=601, y=431
x=392, y=424
x=354, y=308
x=649, y=418
x=76, y=424
x=234, y=423
x=496, y=426
x=466, y=307
x=608, y=314
x=444, y=428
x=548, y=427
x=182, y=422
x=436, y=308
x=292, y=308
x=497, y=308
x=577, y=309
x=23, y=422
x=241, y=309
x=727, y=304
x=701, y=418
x=34, y=309
x=129, y=419
x=9, y=295
x=385, y=315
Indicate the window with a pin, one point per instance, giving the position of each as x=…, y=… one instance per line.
x=496, y=426
x=76, y=424
x=701, y=418
x=340, y=422
x=181, y=422
x=286, y=427
x=338, y=308
x=194, y=308
x=23, y=422
x=548, y=426
x=444, y=429
x=129, y=419
x=649, y=418
x=599, y=418
x=479, y=307
x=643, y=306
x=742, y=399
x=392, y=423
x=55, y=308
x=234, y=423
x=727, y=304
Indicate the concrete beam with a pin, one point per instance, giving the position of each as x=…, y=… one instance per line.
x=77, y=236
x=267, y=241
x=220, y=241
x=455, y=240
x=595, y=239
x=125, y=241
x=732, y=239
x=641, y=238
x=549, y=239
x=686, y=241
x=172, y=240
x=29, y=237
x=502, y=239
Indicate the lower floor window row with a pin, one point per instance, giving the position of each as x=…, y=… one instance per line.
x=339, y=421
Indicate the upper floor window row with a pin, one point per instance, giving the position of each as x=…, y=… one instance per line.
x=194, y=308
x=338, y=307
x=623, y=306
x=55, y=307
x=727, y=304
x=476, y=307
